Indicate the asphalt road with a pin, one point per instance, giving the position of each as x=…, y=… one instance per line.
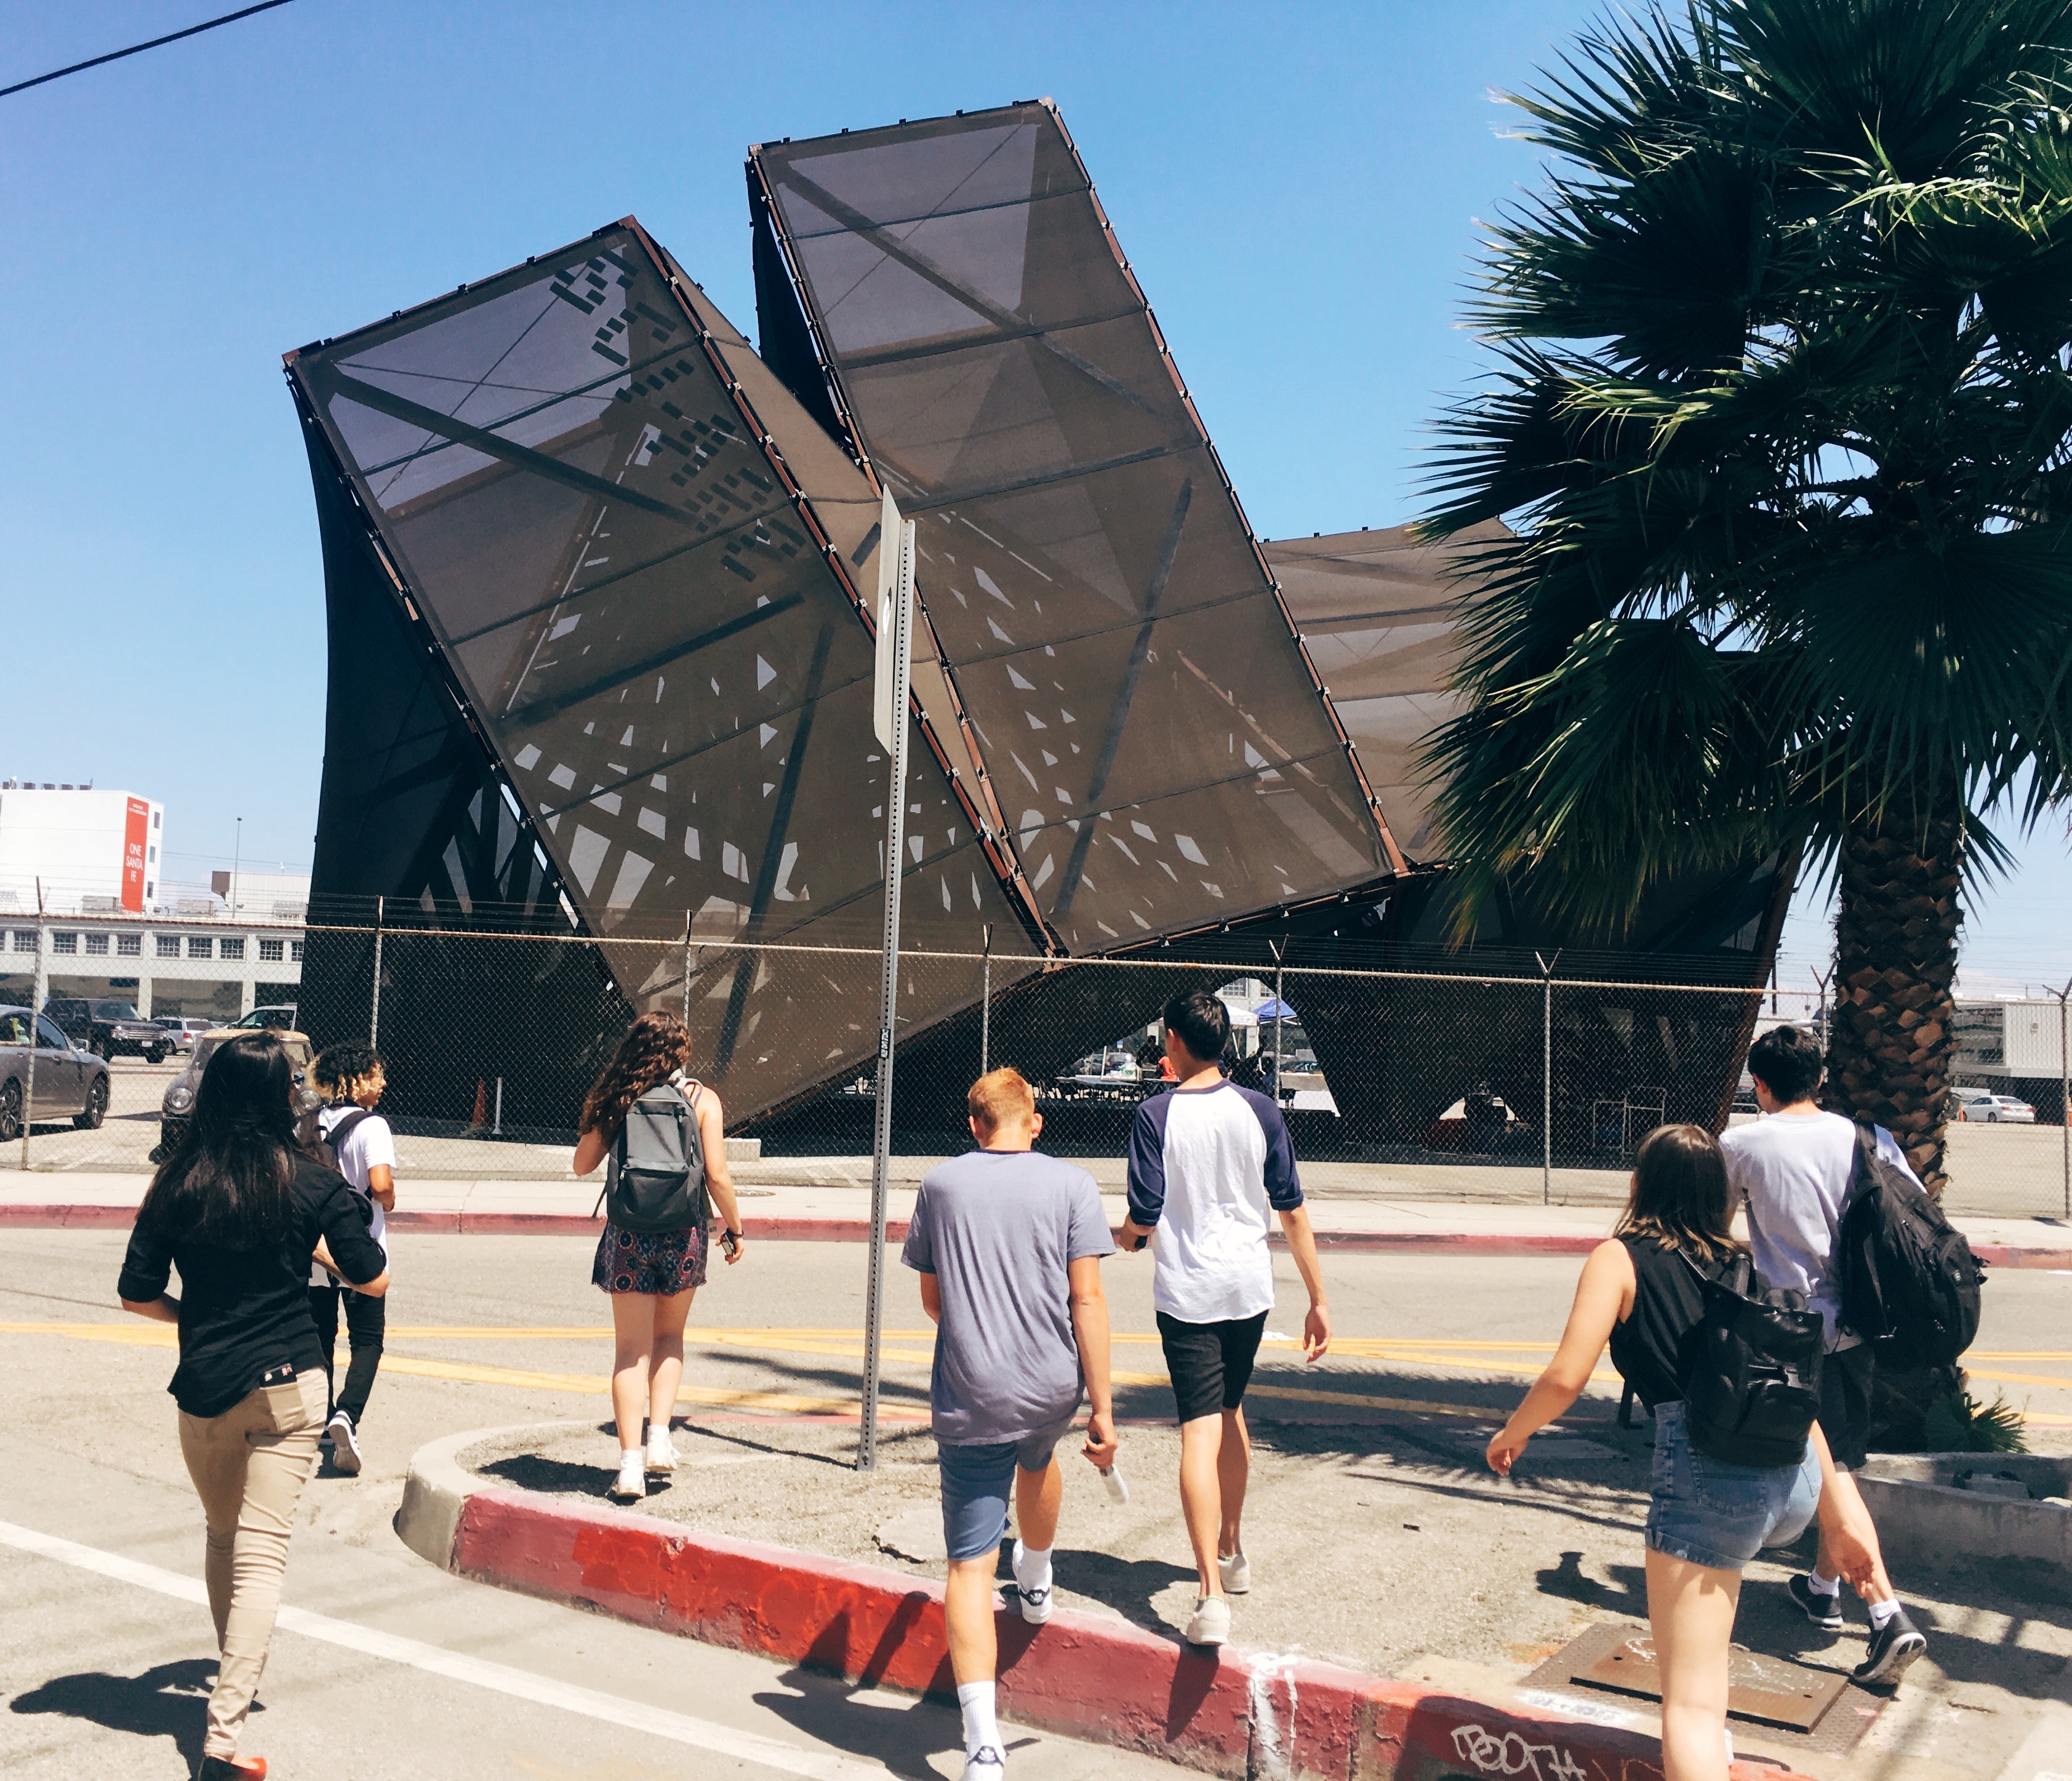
x=401, y=1670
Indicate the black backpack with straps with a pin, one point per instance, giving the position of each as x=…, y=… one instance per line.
x=1751, y=1392
x=1908, y=1279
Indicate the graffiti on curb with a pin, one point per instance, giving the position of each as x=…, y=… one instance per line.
x=1506, y=1754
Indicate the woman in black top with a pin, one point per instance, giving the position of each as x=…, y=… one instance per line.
x=240, y=1211
x=1706, y=1518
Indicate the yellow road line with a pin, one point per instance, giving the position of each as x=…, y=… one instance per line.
x=142, y=1334
x=2057, y=1380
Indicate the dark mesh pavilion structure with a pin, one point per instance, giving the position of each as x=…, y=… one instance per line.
x=600, y=664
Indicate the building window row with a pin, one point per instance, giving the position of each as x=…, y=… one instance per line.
x=67, y=942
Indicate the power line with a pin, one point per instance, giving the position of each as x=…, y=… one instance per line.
x=139, y=49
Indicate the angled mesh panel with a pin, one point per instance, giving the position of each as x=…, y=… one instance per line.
x=635, y=558
x=1377, y=611
x=1153, y=739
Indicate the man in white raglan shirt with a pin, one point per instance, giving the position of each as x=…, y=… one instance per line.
x=1793, y=1169
x=1211, y=1166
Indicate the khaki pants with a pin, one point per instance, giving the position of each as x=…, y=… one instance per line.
x=250, y=1465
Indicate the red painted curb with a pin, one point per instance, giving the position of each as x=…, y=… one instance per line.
x=805, y=1229
x=73, y=1218
x=1232, y=1713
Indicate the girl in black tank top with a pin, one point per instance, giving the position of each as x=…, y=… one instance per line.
x=1640, y=1295
x=1654, y=1343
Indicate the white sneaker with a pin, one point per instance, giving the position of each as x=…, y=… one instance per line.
x=1034, y=1603
x=1236, y=1572
x=985, y=1763
x=661, y=1452
x=1211, y=1623
x=632, y=1483
x=344, y=1445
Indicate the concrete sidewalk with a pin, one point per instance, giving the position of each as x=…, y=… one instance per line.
x=831, y=1204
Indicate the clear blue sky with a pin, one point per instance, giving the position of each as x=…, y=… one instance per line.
x=1298, y=187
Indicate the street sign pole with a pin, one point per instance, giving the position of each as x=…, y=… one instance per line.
x=894, y=670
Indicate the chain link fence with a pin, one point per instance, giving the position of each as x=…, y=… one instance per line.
x=1400, y=1078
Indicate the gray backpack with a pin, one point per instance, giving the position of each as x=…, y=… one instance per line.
x=657, y=1176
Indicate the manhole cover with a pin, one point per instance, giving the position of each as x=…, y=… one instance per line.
x=1768, y=1691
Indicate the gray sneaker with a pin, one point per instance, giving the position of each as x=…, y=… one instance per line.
x=1236, y=1572
x=1211, y=1623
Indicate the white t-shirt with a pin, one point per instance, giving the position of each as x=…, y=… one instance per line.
x=1792, y=1171
x=1208, y=1170
x=369, y=1146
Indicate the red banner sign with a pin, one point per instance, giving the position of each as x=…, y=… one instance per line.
x=136, y=833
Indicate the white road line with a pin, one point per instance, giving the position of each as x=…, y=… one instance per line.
x=501, y=1678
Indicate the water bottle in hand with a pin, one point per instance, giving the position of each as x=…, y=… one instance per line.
x=1117, y=1490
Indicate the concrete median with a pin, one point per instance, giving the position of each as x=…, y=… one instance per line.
x=1231, y=1713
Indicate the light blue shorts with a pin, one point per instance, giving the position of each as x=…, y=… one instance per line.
x=1710, y=1513
x=977, y=1482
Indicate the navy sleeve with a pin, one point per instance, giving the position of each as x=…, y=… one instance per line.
x=1284, y=1186
x=918, y=1252
x=1147, y=1162
x=147, y=1265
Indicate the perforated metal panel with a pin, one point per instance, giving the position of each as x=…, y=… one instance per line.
x=1155, y=742
x=634, y=556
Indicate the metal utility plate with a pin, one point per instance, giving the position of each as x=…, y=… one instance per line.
x=1831, y=1723
x=1766, y=1689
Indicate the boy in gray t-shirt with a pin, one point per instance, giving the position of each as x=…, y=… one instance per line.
x=1009, y=1245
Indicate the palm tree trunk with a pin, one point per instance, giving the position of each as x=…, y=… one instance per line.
x=1894, y=1038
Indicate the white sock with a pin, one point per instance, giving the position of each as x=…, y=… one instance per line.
x=1823, y=1586
x=1032, y=1566
x=981, y=1729
x=1883, y=1611
x=628, y=1456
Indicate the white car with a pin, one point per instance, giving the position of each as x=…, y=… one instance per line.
x=1997, y=1110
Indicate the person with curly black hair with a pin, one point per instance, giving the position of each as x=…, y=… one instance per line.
x=652, y=1267
x=352, y=1079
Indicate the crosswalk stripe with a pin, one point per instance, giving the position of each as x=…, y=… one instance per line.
x=702, y=1734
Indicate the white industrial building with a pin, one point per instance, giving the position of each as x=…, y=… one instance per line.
x=2015, y=1046
x=89, y=851
x=163, y=966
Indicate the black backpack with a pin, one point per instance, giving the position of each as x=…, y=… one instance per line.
x=657, y=1177
x=1908, y=1281
x=1752, y=1391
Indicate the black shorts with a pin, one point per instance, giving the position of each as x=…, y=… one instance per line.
x=1211, y=1363
x=1845, y=1402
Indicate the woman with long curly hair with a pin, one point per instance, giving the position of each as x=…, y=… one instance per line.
x=240, y=1210
x=651, y=1274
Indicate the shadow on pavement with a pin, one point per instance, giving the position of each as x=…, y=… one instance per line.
x=901, y=1737
x=1125, y=1584
x=167, y=1700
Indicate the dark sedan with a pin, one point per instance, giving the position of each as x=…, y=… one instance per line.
x=109, y=1028
x=70, y=1083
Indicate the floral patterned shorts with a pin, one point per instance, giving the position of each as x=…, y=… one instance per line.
x=659, y=1263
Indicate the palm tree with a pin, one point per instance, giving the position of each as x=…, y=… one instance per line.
x=1780, y=420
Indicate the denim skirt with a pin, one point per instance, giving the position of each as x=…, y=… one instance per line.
x=1710, y=1513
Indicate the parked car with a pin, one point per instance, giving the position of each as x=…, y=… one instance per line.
x=280, y=1017
x=109, y=1028
x=183, y=1030
x=71, y=1082
x=176, y=1105
x=1996, y=1110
